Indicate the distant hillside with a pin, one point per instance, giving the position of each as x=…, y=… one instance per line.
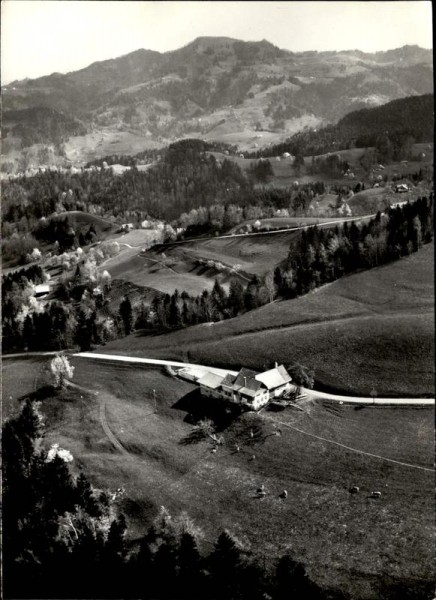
x=405, y=117
x=221, y=88
x=412, y=116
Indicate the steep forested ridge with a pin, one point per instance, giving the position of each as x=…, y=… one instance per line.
x=411, y=118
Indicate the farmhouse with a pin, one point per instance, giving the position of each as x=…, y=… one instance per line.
x=248, y=388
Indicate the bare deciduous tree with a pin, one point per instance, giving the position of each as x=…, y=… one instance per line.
x=61, y=370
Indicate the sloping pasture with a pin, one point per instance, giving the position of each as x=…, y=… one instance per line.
x=374, y=328
x=344, y=540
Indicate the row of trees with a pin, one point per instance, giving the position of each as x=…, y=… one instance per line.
x=64, y=538
x=183, y=310
x=320, y=256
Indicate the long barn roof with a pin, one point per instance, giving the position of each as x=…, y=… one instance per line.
x=211, y=380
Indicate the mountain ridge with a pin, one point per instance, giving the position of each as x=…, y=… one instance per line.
x=220, y=88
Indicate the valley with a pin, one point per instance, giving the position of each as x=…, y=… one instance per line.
x=218, y=89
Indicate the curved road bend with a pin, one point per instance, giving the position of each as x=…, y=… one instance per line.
x=305, y=392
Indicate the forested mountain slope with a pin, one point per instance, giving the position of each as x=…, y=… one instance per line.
x=405, y=119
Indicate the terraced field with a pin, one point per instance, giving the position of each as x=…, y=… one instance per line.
x=184, y=266
x=255, y=255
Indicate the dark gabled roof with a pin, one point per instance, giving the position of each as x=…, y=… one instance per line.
x=229, y=379
x=244, y=376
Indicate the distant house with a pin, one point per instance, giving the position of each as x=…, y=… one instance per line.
x=41, y=290
x=248, y=388
x=401, y=188
x=126, y=227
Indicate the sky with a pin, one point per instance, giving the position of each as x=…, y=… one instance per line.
x=39, y=37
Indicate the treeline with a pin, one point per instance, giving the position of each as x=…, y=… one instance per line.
x=63, y=538
x=321, y=256
x=262, y=202
x=127, y=160
x=182, y=310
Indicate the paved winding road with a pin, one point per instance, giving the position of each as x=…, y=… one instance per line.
x=305, y=392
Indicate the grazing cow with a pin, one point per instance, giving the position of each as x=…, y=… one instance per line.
x=261, y=489
x=214, y=450
x=375, y=494
x=354, y=489
x=284, y=494
x=253, y=457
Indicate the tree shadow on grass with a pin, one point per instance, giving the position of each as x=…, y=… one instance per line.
x=199, y=408
x=253, y=434
x=194, y=437
x=42, y=393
